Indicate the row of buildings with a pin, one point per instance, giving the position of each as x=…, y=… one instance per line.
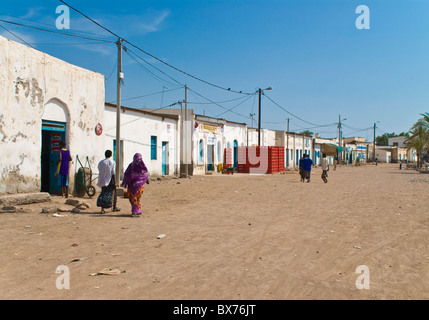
x=46, y=100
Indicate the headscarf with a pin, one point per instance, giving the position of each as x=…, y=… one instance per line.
x=136, y=174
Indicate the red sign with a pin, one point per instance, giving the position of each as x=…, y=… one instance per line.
x=98, y=129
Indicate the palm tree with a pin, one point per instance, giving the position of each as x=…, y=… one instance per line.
x=419, y=138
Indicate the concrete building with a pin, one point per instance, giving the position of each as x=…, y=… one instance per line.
x=45, y=100
x=209, y=143
x=383, y=154
x=204, y=140
x=355, y=150
x=153, y=135
x=296, y=145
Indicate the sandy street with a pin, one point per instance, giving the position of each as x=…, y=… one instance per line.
x=232, y=237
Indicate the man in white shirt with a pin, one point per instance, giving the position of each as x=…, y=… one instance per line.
x=106, y=181
x=325, y=168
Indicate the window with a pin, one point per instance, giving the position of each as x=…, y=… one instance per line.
x=153, y=147
x=219, y=152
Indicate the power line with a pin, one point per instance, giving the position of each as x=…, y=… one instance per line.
x=56, y=32
x=50, y=25
x=150, y=72
x=18, y=37
x=229, y=110
x=152, y=56
x=219, y=104
x=150, y=94
x=295, y=116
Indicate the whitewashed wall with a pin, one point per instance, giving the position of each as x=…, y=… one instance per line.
x=137, y=127
x=34, y=85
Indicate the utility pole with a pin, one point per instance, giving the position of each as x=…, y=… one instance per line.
x=339, y=139
x=251, y=116
x=259, y=118
x=373, y=155
x=118, y=115
x=287, y=144
x=186, y=131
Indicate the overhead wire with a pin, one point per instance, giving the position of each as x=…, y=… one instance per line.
x=69, y=34
x=50, y=25
x=154, y=57
x=18, y=37
x=148, y=71
x=290, y=113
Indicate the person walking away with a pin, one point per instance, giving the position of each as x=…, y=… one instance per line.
x=135, y=178
x=307, y=167
x=106, y=181
x=301, y=168
x=325, y=168
x=63, y=169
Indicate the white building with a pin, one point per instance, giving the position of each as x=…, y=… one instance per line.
x=210, y=139
x=153, y=135
x=45, y=100
x=383, y=155
x=397, y=141
x=208, y=144
x=296, y=145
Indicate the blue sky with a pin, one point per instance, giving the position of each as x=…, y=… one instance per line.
x=310, y=52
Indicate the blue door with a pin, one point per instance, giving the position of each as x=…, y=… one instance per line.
x=235, y=154
x=52, y=133
x=164, y=158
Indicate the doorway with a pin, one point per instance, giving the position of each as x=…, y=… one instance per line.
x=235, y=154
x=165, y=156
x=52, y=134
x=210, y=157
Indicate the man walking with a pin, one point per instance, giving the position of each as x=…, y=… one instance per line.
x=325, y=168
x=106, y=181
x=307, y=167
x=301, y=168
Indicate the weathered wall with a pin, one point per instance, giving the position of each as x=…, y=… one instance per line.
x=30, y=79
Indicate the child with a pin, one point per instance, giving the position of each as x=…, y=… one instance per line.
x=63, y=169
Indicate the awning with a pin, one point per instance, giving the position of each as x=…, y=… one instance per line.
x=331, y=149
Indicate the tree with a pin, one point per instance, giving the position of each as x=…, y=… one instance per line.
x=419, y=138
x=307, y=133
x=383, y=140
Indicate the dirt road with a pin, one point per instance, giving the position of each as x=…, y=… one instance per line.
x=232, y=237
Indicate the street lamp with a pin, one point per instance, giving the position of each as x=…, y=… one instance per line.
x=259, y=116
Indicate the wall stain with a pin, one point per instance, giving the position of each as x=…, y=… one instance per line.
x=31, y=89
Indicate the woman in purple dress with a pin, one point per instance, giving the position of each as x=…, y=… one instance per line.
x=135, y=177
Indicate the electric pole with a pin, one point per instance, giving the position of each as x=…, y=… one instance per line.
x=287, y=144
x=373, y=156
x=251, y=117
x=339, y=139
x=118, y=114
x=259, y=118
x=186, y=131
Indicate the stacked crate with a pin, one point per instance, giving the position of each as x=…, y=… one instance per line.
x=227, y=158
x=276, y=159
x=272, y=160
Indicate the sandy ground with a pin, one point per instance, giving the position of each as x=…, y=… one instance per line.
x=232, y=237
